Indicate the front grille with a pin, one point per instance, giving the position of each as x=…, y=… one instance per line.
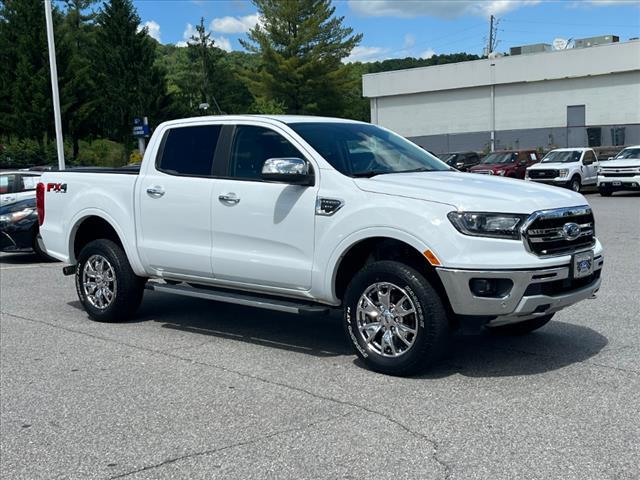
x=607, y=174
x=484, y=172
x=545, y=232
x=543, y=173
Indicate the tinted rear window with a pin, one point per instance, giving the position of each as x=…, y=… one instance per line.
x=189, y=150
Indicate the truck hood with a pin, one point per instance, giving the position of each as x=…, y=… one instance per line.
x=470, y=192
x=491, y=166
x=551, y=165
x=622, y=162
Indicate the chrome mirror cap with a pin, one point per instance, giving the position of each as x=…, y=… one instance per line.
x=291, y=170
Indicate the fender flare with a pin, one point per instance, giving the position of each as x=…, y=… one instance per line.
x=129, y=249
x=342, y=248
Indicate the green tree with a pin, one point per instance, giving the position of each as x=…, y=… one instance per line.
x=205, y=58
x=129, y=82
x=79, y=97
x=25, y=87
x=301, y=45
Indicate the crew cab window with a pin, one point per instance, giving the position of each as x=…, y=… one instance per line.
x=28, y=183
x=189, y=150
x=252, y=146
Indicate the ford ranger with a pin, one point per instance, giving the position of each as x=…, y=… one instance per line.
x=305, y=214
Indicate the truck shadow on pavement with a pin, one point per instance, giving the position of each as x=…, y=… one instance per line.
x=555, y=346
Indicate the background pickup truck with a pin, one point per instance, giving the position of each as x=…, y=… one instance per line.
x=305, y=214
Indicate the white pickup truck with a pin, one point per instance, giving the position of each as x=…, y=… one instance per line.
x=621, y=172
x=304, y=214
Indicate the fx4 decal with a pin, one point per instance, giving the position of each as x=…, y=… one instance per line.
x=57, y=187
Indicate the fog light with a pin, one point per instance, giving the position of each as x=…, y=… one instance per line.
x=490, y=287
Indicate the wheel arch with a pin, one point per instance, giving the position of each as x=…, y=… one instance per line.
x=402, y=248
x=94, y=225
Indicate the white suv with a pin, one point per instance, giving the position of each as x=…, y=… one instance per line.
x=566, y=167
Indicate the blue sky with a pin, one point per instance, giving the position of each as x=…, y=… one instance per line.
x=400, y=28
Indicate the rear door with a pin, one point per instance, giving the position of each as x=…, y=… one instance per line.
x=263, y=233
x=174, y=201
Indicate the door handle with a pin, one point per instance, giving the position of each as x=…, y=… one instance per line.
x=155, y=192
x=229, y=198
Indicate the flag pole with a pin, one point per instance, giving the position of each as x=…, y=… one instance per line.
x=54, y=84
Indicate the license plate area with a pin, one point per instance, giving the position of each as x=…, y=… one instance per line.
x=616, y=184
x=582, y=264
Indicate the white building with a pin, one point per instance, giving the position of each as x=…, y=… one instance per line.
x=575, y=97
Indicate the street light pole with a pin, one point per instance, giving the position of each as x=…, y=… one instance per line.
x=54, y=84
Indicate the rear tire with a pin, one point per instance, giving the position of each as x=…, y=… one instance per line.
x=106, y=285
x=395, y=319
x=521, y=328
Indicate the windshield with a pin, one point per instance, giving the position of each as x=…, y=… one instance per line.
x=629, y=153
x=500, y=157
x=562, y=156
x=364, y=150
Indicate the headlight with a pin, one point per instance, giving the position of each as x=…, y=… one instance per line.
x=16, y=216
x=500, y=172
x=563, y=173
x=479, y=224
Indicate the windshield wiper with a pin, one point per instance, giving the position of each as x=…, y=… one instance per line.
x=369, y=173
x=413, y=170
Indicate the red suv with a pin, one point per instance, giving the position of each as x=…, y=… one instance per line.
x=507, y=163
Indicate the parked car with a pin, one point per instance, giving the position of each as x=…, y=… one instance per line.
x=304, y=214
x=621, y=173
x=19, y=228
x=463, y=161
x=507, y=163
x=566, y=167
x=16, y=186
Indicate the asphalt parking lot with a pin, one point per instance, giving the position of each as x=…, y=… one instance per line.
x=196, y=389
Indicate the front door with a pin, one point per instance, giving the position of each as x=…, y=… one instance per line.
x=589, y=168
x=174, y=198
x=263, y=233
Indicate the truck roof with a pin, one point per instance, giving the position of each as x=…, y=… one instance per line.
x=288, y=119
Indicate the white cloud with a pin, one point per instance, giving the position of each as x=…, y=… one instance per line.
x=612, y=2
x=435, y=8
x=428, y=53
x=409, y=41
x=234, y=24
x=153, y=29
x=181, y=44
x=223, y=43
x=367, y=54
x=189, y=31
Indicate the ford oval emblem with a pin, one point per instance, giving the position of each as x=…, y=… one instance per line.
x=571, y=231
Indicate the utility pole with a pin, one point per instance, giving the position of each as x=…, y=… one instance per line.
x=493, y=33
x=54, y=83
x=493, y=24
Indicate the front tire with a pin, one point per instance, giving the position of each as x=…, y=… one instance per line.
x=521, y=328
x=395, y=319
x=575, y=184
x=106, y=285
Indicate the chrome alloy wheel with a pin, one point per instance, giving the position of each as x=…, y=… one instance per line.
x=99, y=281
x=386, y=318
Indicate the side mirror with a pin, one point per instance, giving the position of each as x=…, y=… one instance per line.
x=295, y=171
x=460, y=165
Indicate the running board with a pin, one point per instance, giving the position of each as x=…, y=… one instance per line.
x=237, y=298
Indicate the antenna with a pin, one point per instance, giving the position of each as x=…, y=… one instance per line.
x=493, y=34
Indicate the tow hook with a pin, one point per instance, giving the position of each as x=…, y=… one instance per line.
x=69, y=270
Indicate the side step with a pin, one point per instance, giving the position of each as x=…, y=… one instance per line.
x=240, y=298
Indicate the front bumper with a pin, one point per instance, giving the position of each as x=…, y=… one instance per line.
x=618, y=183
x=534, y=292
x=558, y=181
